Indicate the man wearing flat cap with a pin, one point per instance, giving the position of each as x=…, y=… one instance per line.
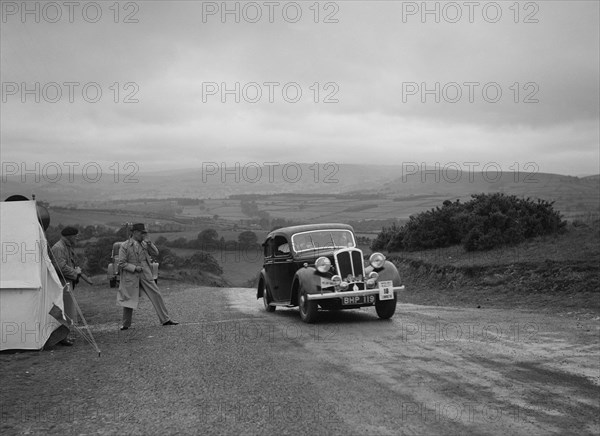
x=64, y=254
x=135, y=265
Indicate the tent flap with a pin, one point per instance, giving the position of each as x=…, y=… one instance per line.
x=29, y=286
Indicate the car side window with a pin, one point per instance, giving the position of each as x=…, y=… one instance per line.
x=282, y=246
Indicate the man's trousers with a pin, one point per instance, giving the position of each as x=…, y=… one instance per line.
x=152, y=292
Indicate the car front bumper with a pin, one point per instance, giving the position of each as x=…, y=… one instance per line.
x=333, y=295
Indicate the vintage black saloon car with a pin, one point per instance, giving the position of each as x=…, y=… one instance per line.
x=319, y=266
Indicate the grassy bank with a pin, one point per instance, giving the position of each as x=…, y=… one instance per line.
x=554, y=273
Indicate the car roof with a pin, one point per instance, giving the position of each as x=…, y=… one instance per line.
x=289, y=231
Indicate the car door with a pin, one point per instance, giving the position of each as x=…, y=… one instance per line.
x=280, y=269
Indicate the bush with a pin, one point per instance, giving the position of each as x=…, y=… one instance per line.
x=203, y=261
x=98, y=255
x=383, y=238
x=494, y=220
x=486, y=221
x=439, y=227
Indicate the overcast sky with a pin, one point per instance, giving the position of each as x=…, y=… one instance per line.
x=369, y=73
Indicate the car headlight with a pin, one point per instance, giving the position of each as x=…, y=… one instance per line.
x=336, y=280
x=373, y=275
x=323, y=264
x=370, y=283
x=377, y=260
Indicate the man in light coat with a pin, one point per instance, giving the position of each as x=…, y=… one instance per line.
x=66, y=262
x=135, y=265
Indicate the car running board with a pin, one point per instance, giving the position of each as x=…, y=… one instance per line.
x=283, y=304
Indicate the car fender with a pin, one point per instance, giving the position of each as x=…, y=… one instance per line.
x=262, y=283
x=309, y=279
x=387, y=272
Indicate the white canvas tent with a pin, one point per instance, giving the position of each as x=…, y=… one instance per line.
x=29, y=285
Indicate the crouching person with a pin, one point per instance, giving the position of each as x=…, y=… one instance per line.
x=135, y=265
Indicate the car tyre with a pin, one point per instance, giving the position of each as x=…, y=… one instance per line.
x=308, y=309
x=267, y=300
x=385, y=309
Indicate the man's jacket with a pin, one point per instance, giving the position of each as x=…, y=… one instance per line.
x=65, y=259
x=131, y=255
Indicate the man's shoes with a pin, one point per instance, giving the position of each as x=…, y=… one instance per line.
x=67, y=342
x=124, y=327
x=170, y=322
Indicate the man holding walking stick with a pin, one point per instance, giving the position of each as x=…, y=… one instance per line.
x=64, y=254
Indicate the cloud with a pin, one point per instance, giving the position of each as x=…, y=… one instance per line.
x=377, y=67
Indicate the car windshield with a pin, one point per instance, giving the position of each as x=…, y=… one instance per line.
x=322, y=239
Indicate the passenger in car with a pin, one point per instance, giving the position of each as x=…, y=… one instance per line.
x=283, y=249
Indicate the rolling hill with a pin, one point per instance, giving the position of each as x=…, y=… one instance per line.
x=307, y=192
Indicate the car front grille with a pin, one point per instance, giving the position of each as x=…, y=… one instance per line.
x=349, y=264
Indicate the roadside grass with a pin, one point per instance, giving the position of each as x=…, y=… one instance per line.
x=553, y=273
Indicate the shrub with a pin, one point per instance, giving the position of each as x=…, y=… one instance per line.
x=484, y=222
x=383, y=238
x=433, y=229
x=203, y=261
x=98, y=255
x=493, y=220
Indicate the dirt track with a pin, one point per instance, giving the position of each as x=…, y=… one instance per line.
x=233, y=368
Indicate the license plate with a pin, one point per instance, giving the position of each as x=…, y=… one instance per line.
x=360, y=299
x=386, y=290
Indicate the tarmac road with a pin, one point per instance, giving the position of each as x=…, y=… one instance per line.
x=232, y=368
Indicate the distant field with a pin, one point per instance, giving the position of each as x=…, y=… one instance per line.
x=85, y=217
x=229, y=235
x=394, y=201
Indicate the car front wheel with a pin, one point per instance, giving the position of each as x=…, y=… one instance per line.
x=385, y=309
x=308, y=309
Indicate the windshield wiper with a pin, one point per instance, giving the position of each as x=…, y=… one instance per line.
x=332, y=241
